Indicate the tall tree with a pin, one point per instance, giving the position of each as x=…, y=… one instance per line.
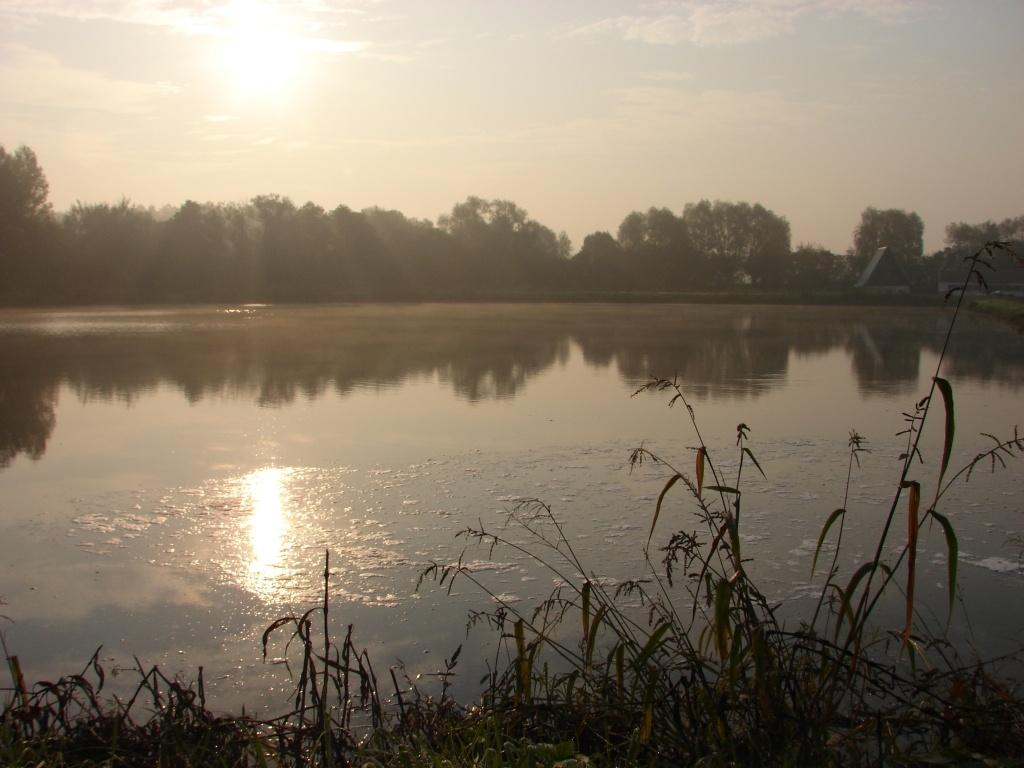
x=25, y=220
x=658, y=249
x=503, y=247
x=601, y=264
x=738, y=241
x=109, y=252
x=814, y=268
x=765, y=255
x=973, y=236
x=902, y=232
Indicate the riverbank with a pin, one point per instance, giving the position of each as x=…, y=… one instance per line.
x=1005, y=308
x=740, y=297
x=751, y=693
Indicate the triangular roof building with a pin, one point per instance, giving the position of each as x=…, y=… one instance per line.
x=883, y=273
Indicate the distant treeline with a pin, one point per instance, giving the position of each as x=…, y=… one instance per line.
x=270, y=250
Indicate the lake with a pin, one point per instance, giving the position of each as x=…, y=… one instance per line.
x=171, y=478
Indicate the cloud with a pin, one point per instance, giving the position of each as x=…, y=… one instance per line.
x=307, y=22
x=667, y=76
x=150, y=12
x=733, y=22
x=30, y=78
x=333, y=47
x=712, y=112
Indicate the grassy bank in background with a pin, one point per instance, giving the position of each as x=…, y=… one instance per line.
x=1006, y=308
x=813, y=298
x=742, y=297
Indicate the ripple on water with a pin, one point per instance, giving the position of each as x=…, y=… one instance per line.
x=266, y=530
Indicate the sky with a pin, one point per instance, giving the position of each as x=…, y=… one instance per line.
x=580, y=111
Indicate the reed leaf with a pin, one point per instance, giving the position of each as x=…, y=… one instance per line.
x=647, y=722
x=947, y=443
x=654, y=642
x=754, y=459
x=522, y=662
x=723, y=595
x=724, y=489
x=592, y=639
x=702, y=453
x=732, y=523
x=952, y=555
x=19, y=679
x=620, y=667
x=586, y=610
x=824, y=532
x=657, y=508
x=913, y=507
x=851, y=587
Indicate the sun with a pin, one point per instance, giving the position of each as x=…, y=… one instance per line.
x=261, y=50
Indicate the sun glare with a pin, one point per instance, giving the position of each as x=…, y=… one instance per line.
x=268, y=525
x=261, y=52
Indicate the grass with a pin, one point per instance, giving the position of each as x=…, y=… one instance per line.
x=1005, y=308
x=744, y=296
x=705, y=672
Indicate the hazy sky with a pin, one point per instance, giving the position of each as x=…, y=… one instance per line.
x=578, y=110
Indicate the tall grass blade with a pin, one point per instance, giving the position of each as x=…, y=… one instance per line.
x=592, y=639
x=586, y=611
x=620, y=667
x=657, y=508
x=947, y=443
x=851, y=588
x=701, y=456
x=647, y=722
x=724, y=489
x=754, y=459
x=723, y=595
x=952, y=555
x=18, y=678
x=655, y=641
x=522, y=663
x=913, y=507
x=824, y=532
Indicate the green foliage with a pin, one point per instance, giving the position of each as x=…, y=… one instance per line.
x=1004, y=308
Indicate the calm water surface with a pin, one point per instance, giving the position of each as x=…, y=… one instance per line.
x=170, y=479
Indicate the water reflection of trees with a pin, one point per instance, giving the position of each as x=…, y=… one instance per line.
x=275, y=356
x=28, y=394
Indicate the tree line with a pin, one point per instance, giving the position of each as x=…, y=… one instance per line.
x=271, y=250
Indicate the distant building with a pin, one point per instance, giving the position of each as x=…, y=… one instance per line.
x=884, y=274
x=1006, y=277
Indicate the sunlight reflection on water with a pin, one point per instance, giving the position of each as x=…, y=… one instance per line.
x=269, y=523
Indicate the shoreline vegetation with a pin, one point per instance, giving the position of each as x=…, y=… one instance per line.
x=741, y=298
x=1003, y=308
x=271, y=250
x=690, y=665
